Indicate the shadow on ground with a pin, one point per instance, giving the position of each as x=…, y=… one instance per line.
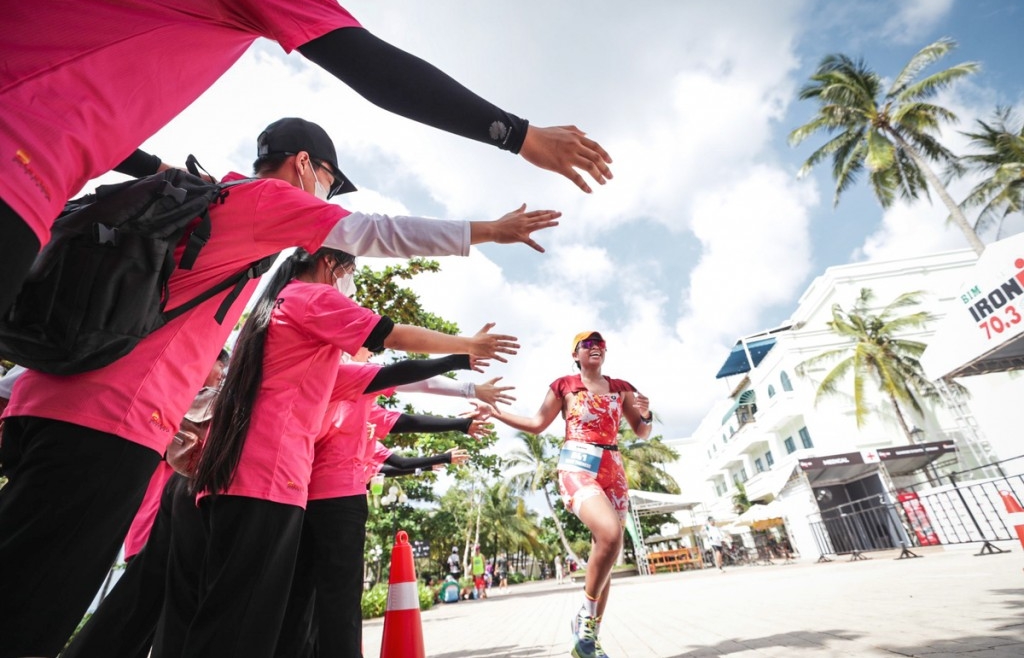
x=491, y=652
x=815, y=640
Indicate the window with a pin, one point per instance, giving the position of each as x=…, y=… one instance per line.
x=771, y=391
x=743, y=475
x=805, y=438
x=784, y=380
x=769, y=459
x=759, y=465
x=736, y=479
x=790, y=445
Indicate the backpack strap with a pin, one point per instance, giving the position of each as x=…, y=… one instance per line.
x=200, y=235
x=254, y=271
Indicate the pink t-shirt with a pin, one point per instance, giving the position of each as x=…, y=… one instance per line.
x=311, y=325
x=142, y=525
x=344, y=448
x=84, y=82
x=144, y=395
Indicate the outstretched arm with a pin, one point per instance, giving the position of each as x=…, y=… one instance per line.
x=482, y=344
x=536, y=423
x=406, y=85
x=408, y=371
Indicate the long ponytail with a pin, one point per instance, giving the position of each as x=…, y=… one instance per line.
x=232, y=412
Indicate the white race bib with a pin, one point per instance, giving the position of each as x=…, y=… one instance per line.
x=580, y=457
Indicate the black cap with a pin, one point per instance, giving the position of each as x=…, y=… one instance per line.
x=291, y=135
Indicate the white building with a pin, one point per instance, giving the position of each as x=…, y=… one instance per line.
x=770, y=434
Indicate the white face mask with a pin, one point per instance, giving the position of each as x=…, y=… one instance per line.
x=346, y=284
x=318, y=189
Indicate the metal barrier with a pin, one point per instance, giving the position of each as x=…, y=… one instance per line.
x=956, y=513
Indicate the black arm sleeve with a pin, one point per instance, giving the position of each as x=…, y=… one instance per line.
x=398, y=465
x=421, y=423
x=375, y=341
x=415, y=370
x=139, y=164
x=408, y=86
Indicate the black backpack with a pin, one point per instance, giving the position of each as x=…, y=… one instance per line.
x=100, y=285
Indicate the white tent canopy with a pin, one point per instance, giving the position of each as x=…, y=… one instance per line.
x=757, y=513
x=651, y=502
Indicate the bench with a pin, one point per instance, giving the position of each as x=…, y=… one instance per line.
x=675, y=559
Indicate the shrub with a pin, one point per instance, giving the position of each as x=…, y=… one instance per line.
x=375, y=599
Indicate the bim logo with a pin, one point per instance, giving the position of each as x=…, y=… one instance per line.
x=996, y=298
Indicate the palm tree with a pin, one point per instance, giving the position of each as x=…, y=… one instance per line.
x=1000, y=156
x=876, y=353
x=891, y=133
x=643, y=461
x=537, y=470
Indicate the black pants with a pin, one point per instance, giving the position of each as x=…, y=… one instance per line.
x=18, y=248
x=71, y=496
x=124, y=624
x=330, y=572
x=247, y=576
x=186, y=552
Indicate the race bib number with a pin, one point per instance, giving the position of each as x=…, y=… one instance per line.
x=580, y=457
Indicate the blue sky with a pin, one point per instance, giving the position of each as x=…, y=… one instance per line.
x=704, y=235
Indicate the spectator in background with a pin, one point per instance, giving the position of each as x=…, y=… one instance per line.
x=715, y=539
x=559, y=575
x=479, y=582
x=454, y=564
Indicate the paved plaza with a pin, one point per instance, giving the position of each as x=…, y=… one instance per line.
x=947, y=603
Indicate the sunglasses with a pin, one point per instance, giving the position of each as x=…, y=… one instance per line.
x=588, y=343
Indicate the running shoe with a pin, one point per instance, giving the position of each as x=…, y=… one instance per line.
x=584, y=635
x=598, y=651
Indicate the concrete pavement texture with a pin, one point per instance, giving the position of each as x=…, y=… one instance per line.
x=948, y=602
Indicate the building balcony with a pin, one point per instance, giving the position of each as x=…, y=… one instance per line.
x=776, y=412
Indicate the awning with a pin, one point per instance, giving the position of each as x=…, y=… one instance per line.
x=768, y=483
x=850, y=466
x=746, y=397
x=757, y=513
x=651, y=502
x=982, y=329
x=737, y=361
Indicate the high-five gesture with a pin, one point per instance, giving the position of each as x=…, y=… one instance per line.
x=492, y=346
x=563, y=150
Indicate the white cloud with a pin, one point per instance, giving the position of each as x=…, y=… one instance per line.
x=914, y=19
x=689, y=98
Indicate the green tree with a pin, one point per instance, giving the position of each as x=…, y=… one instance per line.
x=999, y=156
x=740, y=502
x=890, y=132
x=534, y=468
x=875, y=353
x=644, y=462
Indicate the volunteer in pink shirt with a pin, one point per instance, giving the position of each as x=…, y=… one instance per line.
x=85, y=82
x=79, y=450
x=138, y=533
x=254, y=473
x=330, y=560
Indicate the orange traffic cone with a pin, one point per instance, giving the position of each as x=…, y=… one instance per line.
x=403, y=633
x=1014, y=514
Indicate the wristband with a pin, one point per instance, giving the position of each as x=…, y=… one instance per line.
x=648, y=420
